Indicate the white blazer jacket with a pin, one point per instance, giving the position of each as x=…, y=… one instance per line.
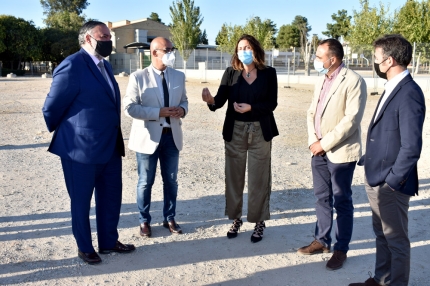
x=143, y=101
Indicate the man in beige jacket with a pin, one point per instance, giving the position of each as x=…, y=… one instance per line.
x=334, y=138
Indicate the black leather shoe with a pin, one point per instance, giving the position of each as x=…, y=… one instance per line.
x=90, y=258
x=172, y=226
x=119, y=247
x=336, y=261
x=145, y=230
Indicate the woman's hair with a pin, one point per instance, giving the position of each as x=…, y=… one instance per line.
x=257, y=53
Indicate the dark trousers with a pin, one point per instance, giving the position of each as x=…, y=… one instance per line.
x=106, y=182
x=332, y=188
x=390, y=224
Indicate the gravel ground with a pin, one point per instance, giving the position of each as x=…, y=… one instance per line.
x=37, y=246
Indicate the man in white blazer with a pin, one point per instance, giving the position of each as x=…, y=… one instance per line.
x=156, y=100
x=334, y=138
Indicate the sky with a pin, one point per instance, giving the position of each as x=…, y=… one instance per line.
x=214, y=12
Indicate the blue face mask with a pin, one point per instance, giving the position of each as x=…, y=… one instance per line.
x=319, y=67
x=245, y=57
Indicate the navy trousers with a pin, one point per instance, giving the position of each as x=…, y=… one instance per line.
x=106, y=181
x=332, y=189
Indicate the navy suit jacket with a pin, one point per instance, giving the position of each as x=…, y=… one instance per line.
x=83, y=111
x=394, y=139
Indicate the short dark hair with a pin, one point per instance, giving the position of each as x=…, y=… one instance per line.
x=88, y=26
x=335, y=48
x=395, y=46
x=257, y=53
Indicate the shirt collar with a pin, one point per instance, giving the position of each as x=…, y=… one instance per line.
x=93, y=57
x=392, y=83
x=336, y=72
x=157, y=71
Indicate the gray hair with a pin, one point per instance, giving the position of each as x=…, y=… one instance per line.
x=86, y=28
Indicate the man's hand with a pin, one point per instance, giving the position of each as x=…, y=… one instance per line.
x=167, y=111
x=207, y=97
x=316, y=149
x=178, y=112
x=242, y=107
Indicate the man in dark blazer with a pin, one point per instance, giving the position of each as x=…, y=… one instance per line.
x=394, y=142
x=83, y=110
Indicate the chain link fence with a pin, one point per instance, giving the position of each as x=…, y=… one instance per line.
x=358, y=58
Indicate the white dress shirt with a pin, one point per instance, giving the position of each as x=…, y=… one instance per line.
x=389, y=87
x=159, y=81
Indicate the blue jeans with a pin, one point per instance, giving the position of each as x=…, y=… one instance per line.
x=332, y=188
x=168, y=155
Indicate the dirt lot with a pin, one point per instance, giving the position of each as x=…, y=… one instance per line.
x=37, y=246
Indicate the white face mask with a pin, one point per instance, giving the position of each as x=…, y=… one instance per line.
x=319, y=66
x=168, y=59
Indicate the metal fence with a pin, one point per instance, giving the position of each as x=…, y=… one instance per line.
x=358, y=57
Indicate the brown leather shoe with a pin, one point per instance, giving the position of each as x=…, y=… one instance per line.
x=90, y=258
x=336, y=261
x=119, y=247
x=368, y=282
x=145, y=230
x=313, y=248
x=172, y=226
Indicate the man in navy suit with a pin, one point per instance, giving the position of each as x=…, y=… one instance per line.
x=394, y=142
x=83, y=110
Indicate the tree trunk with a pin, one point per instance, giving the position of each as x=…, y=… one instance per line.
x=307, y=58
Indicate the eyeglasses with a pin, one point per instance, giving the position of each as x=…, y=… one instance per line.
x=167, y=50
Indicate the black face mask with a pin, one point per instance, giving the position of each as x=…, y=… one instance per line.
x=378, y=71
x=103, y=48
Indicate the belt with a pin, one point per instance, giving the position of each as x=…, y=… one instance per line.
x=166, y=130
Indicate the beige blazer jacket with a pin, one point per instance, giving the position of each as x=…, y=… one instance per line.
x=341, y=117
x=143, y=101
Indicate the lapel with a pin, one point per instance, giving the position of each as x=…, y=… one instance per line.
x=392, y=95
x=377, y=106
x=153, y=85
x=96, y=72
x=109, y=72
x=339, y=79
x=170, y=84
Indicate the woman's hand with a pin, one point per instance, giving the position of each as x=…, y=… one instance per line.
x=242, y=107
x=207, y=97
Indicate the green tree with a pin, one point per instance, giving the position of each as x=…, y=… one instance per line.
x=227, y=37
x=65, y=21
x=369, y=24
x=222, y=34
x=154, y=17
x=64, y=14
x=203, y=38
x=53, y=6
x=288, y=36
x=263, y=31
x=301, y=23
x=341, y=26
x=2, y=38
x=185, y=27
x=21, y=40
x=413, y=21
x=58, y=44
